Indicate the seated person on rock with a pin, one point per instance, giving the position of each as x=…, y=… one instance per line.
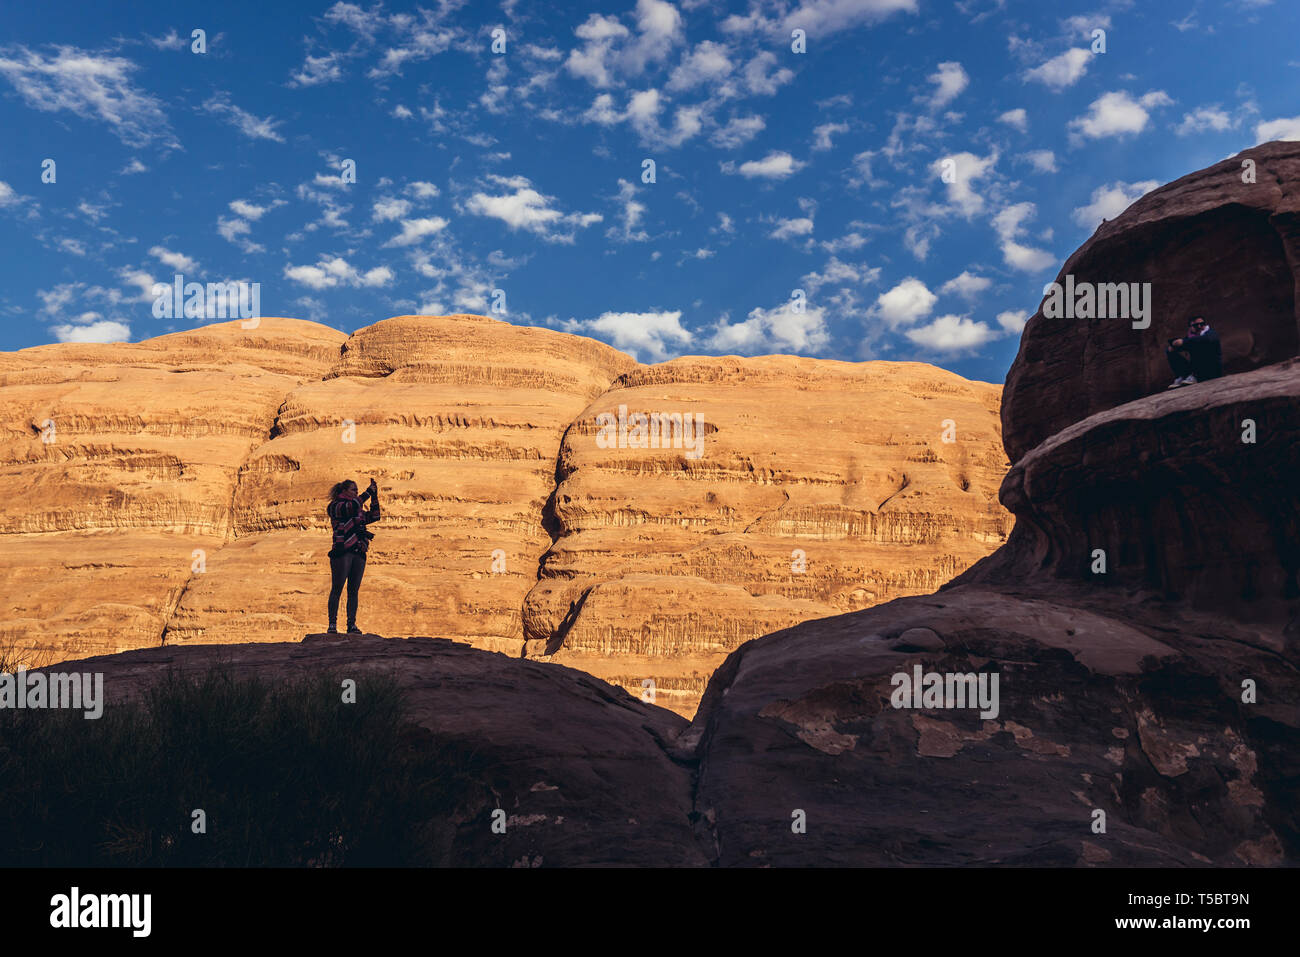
x=1197, y=356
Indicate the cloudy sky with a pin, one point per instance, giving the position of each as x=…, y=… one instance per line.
x=509, y=147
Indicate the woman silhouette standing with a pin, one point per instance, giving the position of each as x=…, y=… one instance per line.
x=349, y=519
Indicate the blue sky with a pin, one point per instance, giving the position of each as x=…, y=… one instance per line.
x=523, y=170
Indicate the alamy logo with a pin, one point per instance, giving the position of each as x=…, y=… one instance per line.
x=214, y=300
x=653, y=430
x=103, y=910
x=40, y=690
x=1107, y=300
x=947, y=690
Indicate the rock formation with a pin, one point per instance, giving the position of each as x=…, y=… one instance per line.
x=177, y=494
x=1142, y=620
x=1142, y=617
x=1223, y=242
x=581, y=769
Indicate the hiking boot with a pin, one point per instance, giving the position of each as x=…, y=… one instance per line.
x=354, y=630
x=333, y=629
x=1190, y=380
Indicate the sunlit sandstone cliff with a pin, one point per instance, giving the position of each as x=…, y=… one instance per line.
x=172, y=491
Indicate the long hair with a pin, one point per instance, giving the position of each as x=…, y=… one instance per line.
x=338, y=489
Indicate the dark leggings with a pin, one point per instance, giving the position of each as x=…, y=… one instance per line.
x=1180, y=362
x=348, y=567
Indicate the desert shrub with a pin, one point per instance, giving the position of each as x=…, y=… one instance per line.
x=287, y=774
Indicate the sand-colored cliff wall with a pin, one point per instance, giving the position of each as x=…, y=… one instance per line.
x=172, y=491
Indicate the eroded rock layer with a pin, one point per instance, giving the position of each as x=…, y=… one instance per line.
x=806, y=488
x=177, y=495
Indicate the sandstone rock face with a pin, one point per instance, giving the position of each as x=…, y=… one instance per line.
x=820, y=487
x=178, y=496
x=122, y=461
x=459, y=420
x=1209, y=244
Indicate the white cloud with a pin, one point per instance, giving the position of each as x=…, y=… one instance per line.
x=8, y=197
x=1009, y=225
x=602, y=111
x=399, y=112
x=707, y=63
x=1279, y=129
x=611, y=51
x=236, y=231
x=788, y=228
x=763, y=76
x=142, y=281
x=738, y=131
x=1062, y=71
x=775, y=165
x=418, y=39
x=967, y=285
x=952, y=334
x=1204, y=119
x=91, y=86
x=387, y=208
x=949, y=82
x=824, y=17
x=1013, y=320
x=527, y=209
x=1117, y=113
x=414, y=230
x=1044, y=161
x=917, y=239
x=329, y=273
x=254, y=127
x=650, y=336
x=316, y=70
x=643, y=114
x=247, y=210
x=171, y=41
x=822, y=135
x=836, y=272
x=1017, y=118
x=422, y=190
x=966, y=169
x=103, y=330
x=1110, y=200
x=177, y=261
x=592, y=61
x=907, y=302
x=781, y=329
x=1084, y=24
x=631, y=230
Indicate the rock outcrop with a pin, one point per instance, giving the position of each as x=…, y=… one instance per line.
x=1223, y=242
x=177, y=494
x=582, y=771
x=1142, y=619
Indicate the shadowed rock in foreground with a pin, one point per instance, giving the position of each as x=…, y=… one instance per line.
x=581, y=769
